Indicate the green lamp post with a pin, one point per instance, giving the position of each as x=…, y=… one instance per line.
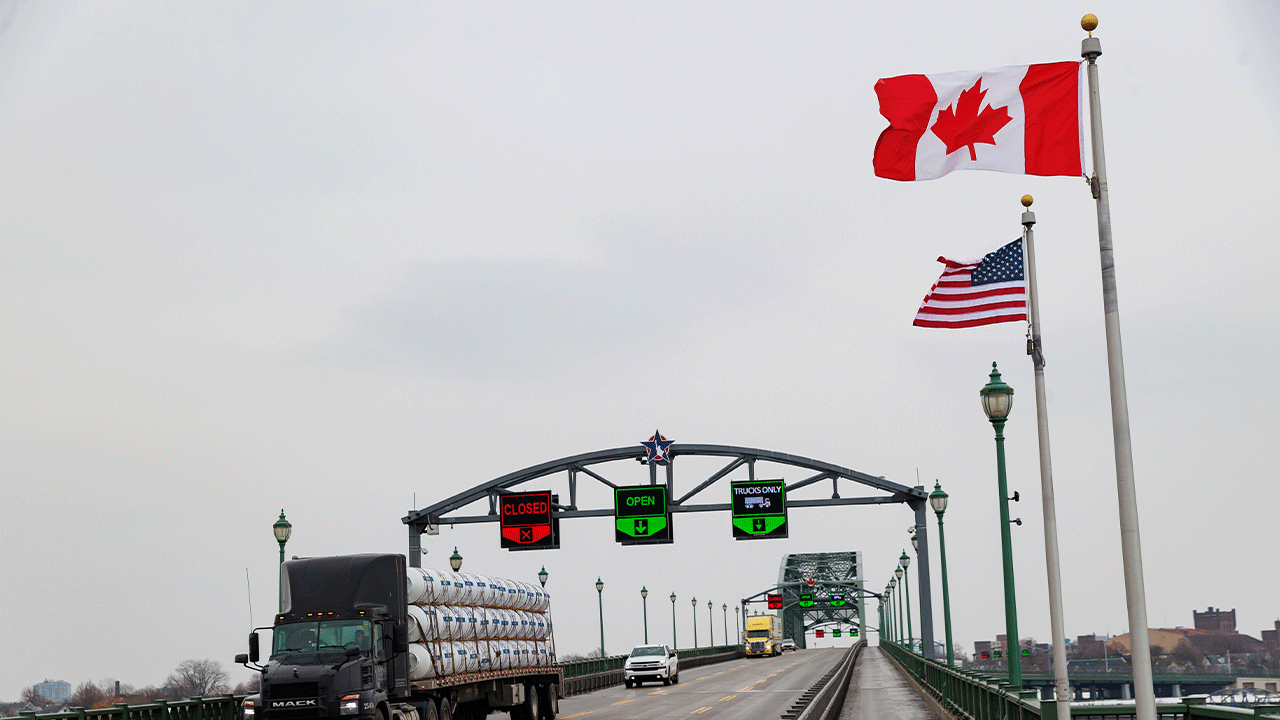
x=938, y=501
x=711, y=624
x=673, y=621
x=997, y=400
x=725, y=607
x=600, y=596
x=644, y=601
x=455, y=560
x=542, y=576
x=897, y=607
x=905, y=562
x=282, y=529
x=736, y=632
x=695, y=623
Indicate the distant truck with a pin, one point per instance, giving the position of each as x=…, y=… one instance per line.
x=363, y=637
x=764, y=635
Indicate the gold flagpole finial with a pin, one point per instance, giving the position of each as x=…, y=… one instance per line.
x=1090, y=23
x=1027, y=200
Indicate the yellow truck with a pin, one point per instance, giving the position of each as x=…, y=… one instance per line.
x=764, y=635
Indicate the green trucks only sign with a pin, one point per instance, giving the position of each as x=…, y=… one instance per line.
x=641, y=516
x=759, y=509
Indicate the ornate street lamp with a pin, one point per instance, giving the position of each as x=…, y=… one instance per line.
x=282, y=529
x=600, y=595
x=736, y=632
x=455, y=560
x=938, y=501
x=673, y=621
x=905, y=562
x=997, y=400
x=695, y=623
x=725, y=607
x=711, y=624
x=644, y=601
x=542, y=576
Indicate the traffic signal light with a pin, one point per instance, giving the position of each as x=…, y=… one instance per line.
x=775, y=601
x=986, y=655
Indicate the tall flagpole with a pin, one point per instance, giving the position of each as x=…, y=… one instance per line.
x=1130, y=541
x=1061, y=685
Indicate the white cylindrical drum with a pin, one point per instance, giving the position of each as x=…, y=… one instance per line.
x=460, y=657
x=463, y=627
x=485, y=655
x=504, y=647
x=417, y=624
x=452, y=588
x=482, y=622
x=420, y=665
x=446, y=616
x=482, y=591
x=544, y=654
x=419, y=586
x=541, y=630
x=522, y=596
x=470, y=590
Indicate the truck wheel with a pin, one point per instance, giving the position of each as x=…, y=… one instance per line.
x=675, y=679
x=666, y=681
x=431, y=713
x=446, y=712
x=549, y=694
x=629, y=684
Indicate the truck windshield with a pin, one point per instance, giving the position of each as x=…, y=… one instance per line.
x=305, y=641
x=758, y=634
x=648, y=650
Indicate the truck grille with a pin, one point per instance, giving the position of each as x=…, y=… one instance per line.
x=290, y=691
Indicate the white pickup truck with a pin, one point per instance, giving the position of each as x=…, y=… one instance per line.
x=651, y=662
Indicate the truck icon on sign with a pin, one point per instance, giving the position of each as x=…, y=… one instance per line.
x=757, y=502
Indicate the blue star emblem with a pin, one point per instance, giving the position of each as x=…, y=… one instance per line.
x=658, y=447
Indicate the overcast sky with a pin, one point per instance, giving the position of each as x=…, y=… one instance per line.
x=347, y=259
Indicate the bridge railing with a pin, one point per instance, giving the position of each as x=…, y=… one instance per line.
x=980, y=696
x=224, y=707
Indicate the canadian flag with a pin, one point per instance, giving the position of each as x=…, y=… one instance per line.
x=1021, y=119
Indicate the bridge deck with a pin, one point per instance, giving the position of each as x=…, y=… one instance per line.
x=879, y=691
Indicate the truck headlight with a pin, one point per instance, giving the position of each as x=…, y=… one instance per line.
x=349, y=705
x=247, y=710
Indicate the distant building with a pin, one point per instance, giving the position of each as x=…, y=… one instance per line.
x=1215, y=619
x=58, y=691
x=1272, y=637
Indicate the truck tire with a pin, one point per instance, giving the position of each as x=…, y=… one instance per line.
x=431, y=713
x=549, y=694
x=630, y=684
x=675, y=679
x=446, y=711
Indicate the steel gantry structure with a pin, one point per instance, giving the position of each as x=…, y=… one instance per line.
x=831, y=572
x=429, y=519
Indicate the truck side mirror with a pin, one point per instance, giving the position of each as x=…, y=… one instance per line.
x=400, y=638
x=253, y=647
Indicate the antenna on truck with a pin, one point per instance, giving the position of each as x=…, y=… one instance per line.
x=249, y=592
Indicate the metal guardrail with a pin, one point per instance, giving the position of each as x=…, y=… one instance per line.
x=978, y=696
x=825, y=700
x=223, y=707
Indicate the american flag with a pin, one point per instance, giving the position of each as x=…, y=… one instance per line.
x=977, y=292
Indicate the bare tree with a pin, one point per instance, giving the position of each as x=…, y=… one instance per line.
x=197, y=678
x=248, y=687
x=30, y=695
x=86, y=695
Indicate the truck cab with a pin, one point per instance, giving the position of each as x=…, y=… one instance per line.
x=338, y=646
x=651, y=662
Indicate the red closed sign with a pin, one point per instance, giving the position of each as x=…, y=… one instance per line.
x=526, y=519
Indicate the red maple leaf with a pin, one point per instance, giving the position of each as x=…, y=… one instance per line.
x=965, y=125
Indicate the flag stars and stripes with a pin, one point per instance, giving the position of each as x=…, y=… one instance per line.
x=977, y=292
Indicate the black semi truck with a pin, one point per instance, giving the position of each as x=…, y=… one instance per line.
x=340, y=651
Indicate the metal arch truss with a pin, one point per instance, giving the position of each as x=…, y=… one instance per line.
x=430, y=518
x=828, y=571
